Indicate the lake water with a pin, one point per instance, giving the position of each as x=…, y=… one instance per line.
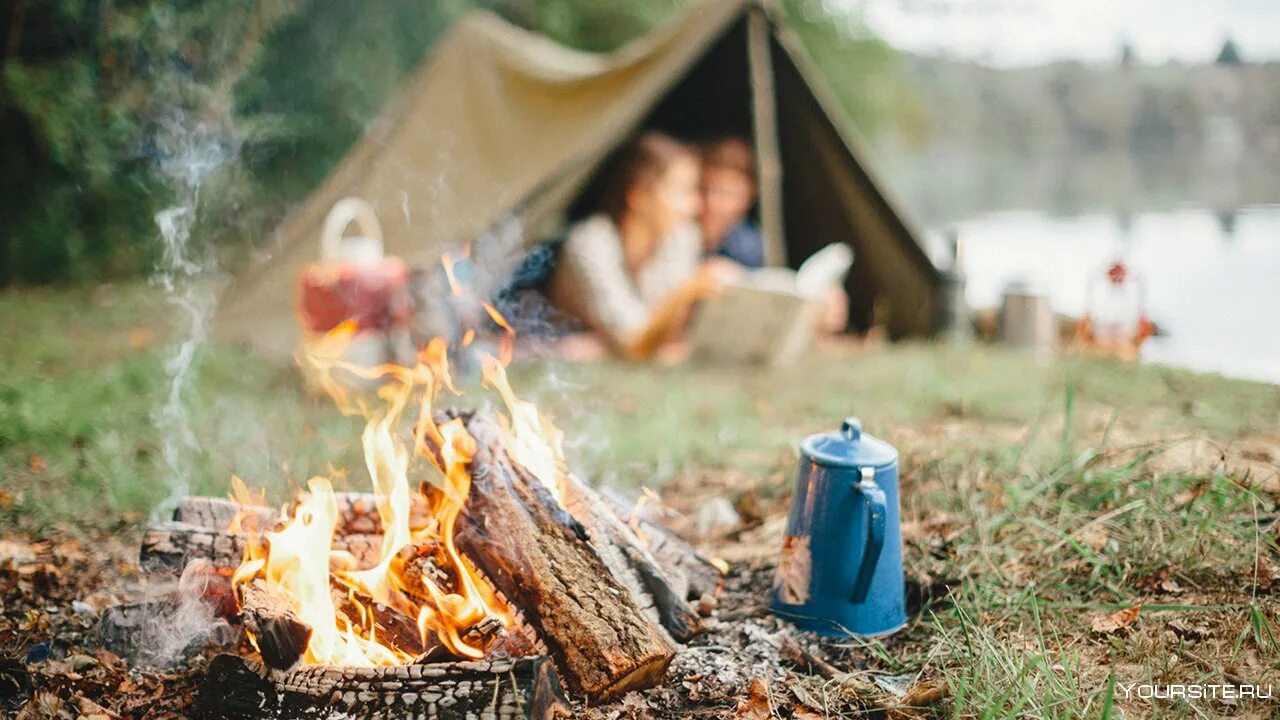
x=1212, y=277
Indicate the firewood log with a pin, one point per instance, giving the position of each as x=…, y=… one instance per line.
x=238, y=688
x=357, y=514
x=391, y=626
x=280, y=634
x=631, y=563
x=540, y=558
x=174, y=544
x=219, y=514
x=691, y=572
x=418, y=563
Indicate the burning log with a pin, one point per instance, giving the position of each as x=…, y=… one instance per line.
x=484, y=634
x=281, y=635
x=631, y=563
x=418, y=565
x=172, y=545
x=539, y=557
x=242, y=689
x=393, y=627
x=357, y=514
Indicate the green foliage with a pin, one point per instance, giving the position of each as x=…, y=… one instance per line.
x=95, y=100
x=590, y=24
x=85, y=89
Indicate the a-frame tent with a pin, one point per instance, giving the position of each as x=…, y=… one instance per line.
x=499, y=121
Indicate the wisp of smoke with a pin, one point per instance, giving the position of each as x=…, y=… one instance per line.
x=188, y=155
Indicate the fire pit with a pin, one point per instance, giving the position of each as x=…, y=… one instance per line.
x=478, y=579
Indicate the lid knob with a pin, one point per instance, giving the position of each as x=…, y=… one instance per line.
x=851, y=429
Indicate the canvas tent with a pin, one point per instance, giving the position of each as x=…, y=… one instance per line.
x=498, y=121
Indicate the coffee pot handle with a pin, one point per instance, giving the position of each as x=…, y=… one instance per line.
x=876, y=511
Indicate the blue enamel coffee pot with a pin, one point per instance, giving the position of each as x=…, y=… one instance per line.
x=840, y=572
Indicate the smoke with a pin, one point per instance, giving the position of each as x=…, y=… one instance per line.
x=172, y=625
x=189, y=152
x=502, y=257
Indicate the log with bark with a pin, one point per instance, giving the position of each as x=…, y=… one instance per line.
x=391, y=626
x=221, y=514
x=692, y=573
x=540, y=558
x=171, y=546
x=630, y=562
x=282, y=637
x=238, y=688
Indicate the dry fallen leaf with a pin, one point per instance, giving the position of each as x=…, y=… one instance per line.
x=915, y=703
x=37, y=463
x=924, y=694
x=1116, y=621
x=756, y=705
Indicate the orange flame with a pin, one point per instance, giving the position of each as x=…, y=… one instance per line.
x=507, y=345
x=297, y=561
x=531, y=439
x=448, y=262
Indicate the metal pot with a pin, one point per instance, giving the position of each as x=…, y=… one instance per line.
x=841, y=567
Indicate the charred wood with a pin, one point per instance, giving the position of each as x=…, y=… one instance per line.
x=391, y=626
x=243, y=689
x=280, y=634
x=420, y=563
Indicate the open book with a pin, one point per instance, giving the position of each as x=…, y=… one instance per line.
x=768, y=316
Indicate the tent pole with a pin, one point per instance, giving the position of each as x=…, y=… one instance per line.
x=765, y=128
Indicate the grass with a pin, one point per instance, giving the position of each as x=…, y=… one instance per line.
x=1036, y=497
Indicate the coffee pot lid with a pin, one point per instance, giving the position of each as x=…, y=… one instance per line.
x=848, y=447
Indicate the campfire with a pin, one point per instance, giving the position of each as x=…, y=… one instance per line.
x=476, y=578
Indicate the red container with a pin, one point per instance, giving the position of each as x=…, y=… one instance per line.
x=353, y=280
x=374, y=295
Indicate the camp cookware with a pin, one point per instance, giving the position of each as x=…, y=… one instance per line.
x=841, y=567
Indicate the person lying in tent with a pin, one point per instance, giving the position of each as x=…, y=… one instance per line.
x=728, y=188
x=632, y=272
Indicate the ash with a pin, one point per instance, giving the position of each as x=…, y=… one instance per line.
x=741, y=643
